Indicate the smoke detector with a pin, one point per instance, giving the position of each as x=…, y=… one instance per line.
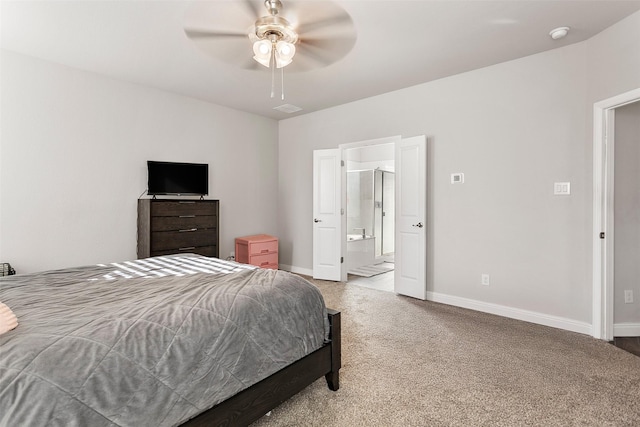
x=559, y=33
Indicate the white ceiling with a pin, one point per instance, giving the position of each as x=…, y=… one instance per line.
x=399, y=44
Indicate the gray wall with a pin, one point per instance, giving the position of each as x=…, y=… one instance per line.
x=73, y=163
x=627, y=212
x=514, y=129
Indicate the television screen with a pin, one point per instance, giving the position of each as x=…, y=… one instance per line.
x=178, y=178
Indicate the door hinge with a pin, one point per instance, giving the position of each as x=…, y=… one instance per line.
x=341, y=211
x=342, y=163
x=602, y=234
x=341, y=260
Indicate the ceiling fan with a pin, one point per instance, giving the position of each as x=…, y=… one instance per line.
x=317, y=33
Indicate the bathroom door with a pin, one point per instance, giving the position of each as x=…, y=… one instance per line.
x=410, y=276
x=327, y=225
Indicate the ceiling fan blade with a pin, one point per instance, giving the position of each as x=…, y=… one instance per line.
x=329, y=48
x=198, y=34
x=311, y=26
x=253, y=9
x=322, y=51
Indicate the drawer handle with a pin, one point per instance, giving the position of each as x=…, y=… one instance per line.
x=190, y=248
x=264, y=263
x=183, y=202
x=187, y=230
x=187, y=216
x=264, y=250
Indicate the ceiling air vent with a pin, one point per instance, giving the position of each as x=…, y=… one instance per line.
x=287, y=108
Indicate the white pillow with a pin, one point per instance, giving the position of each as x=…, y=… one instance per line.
x=8, y=320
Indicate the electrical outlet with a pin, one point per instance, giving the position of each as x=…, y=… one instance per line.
x=484, y=279
x=628, y=296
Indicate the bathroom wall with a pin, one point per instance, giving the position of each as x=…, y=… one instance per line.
x=360, y=203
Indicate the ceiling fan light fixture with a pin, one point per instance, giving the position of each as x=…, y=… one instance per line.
x=262, y=52
x=284, y=53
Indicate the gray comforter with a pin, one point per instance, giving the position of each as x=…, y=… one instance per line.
x=150, y=342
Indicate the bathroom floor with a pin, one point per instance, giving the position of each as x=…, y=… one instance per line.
x=382, y=282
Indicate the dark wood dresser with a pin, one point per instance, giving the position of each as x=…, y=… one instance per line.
x=172, y=226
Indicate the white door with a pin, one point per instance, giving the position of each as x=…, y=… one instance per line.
x=410, y=277
x=326, y=214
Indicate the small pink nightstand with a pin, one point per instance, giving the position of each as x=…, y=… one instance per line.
x=260, y=250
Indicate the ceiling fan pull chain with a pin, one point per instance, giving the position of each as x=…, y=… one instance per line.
x=282, y=81
x=272, y=65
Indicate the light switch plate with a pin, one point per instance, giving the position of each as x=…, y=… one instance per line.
x=562, y=188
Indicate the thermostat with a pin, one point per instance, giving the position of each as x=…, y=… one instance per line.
x=457, y=178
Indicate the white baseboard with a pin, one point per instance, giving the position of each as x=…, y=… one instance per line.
x=512, y=313
x=297, y=270
x=501, y=310
x=626, y=330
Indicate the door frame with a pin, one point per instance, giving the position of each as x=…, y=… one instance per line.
x=603, y=191
x=343, y=188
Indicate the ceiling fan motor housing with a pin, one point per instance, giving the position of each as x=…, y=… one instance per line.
x=267, y=26
x=273, y=6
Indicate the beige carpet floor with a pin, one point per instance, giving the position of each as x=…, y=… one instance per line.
x=418, y=363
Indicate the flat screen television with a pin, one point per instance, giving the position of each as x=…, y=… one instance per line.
x=177, y=178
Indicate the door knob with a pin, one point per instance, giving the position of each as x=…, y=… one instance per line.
x=317, y=220
x=419, y=225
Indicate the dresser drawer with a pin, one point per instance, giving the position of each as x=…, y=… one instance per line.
x=166, y=240
x=185, y=222
x=264, y=260
x=211, y=251
x=178, y=208
x=256, y=248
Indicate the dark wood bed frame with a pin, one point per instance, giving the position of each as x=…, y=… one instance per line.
x=254, y=402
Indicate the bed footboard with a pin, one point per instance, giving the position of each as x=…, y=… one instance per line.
x=252, y=403
x=335, y=335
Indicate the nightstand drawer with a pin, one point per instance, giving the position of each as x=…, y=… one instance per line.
x=258, y=248
x=263, y=260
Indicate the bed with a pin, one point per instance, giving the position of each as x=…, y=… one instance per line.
x=173, y=340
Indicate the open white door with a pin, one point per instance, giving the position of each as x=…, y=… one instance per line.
x=326, y=214
x=410, y=277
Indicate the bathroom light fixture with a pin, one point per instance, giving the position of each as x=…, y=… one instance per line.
x=559, y=32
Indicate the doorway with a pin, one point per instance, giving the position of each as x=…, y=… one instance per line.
x=370, y=215
x=329, y=219
x=626, y=201
x=609, y=305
